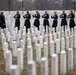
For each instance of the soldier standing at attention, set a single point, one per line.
(17, 20)
(46, 22)
(55, 22)
(2, 21)
(27, 21)
(37, 17)
(63, 16)
(72, 22)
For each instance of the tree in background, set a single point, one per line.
(37, 4)
(67, 4)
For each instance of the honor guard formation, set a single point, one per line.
(37, 17)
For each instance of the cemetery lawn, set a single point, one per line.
(25, 72)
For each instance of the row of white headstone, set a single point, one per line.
(17, 46)
(18, 40)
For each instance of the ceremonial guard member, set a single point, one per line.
(17, 20)
(55, 22)
(2, 21)
(72, 22)
(63, 21)
(37, 17)
(46, 22)
(27, 21)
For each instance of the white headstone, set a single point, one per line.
(36, 30)
(23, 38)
(70, 59)
(14, 44)
(54, 64)
(71, 31)
(35, 40)
(74, 41)
(31, 68)
(55, 37)
(29, 41)
(8, 36)
(46, 38)
(74, 57)
(24, 31)
(58, 46)
(19, 33)
(14, 70)
(63, 63)
(57, 29)
(18, 40)
(41, 41)
(71, 41)
(44, 66)
(14, 35)
(67, 43)
(66, 33)
(5, 48)
(62, 34)
(51, 48)
(1, 30)
(29, 53)
(50, 37)
(53, 29)
(47, 31)
(38, 53)
(8, 61)
(11, 30)
(45, 50)
(3, 40)
(11, 41)
(59, 36)
(6, 30)
(43, 33)
(22, 46)
(38, 35)
(2, 36)
(75, 30)
(28, 30)
(50, 30)
(16, 30)
(33, 35)
(20, 58)
(29, 35)
(62, 44)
